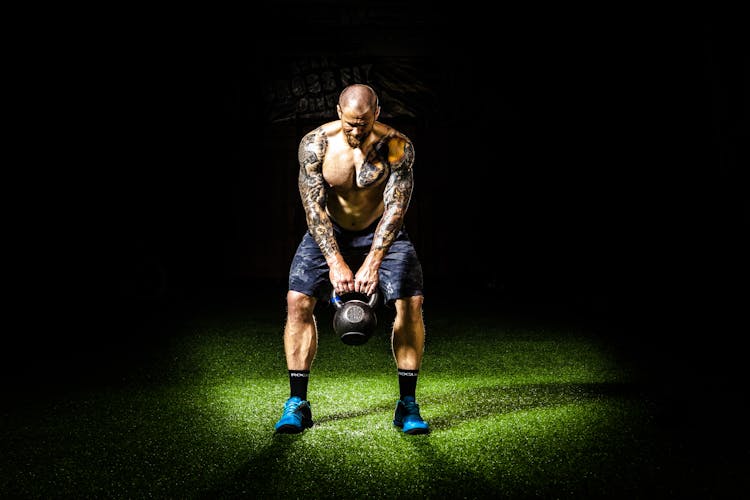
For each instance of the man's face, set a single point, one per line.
(356, 126)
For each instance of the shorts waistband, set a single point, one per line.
(361, 232)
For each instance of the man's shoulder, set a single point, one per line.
(395, 141)
(325, 130)
(397, 146)
(388, 133)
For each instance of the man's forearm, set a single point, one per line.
(396, 197)
(386, 231)
(321, 230)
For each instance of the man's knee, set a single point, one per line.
(409, 309)
(300, 307)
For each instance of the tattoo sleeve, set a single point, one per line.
(396, 198)
(312, 190)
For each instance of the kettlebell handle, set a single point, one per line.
(336, 300)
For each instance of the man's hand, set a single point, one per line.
(342, 278)
(366, 281)
(367, 278)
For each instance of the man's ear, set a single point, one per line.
(338, 110)
(377, 112)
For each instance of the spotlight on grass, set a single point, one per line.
(514, 412)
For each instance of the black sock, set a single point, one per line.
(407, 382)
(298, 383)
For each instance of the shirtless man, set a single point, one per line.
(355, 181)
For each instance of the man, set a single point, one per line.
(355, 181)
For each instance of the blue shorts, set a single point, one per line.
(400, 272)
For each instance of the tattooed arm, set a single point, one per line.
(312, 189)
(396, 199)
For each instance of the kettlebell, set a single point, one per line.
(354, 320)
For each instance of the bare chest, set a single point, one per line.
(351, 169)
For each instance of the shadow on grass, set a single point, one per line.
(485, 401)
(345, 415)
(480, 402)
(269, 471)
(273, 471)
(259, 476)
(448, 477)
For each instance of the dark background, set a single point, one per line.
(590, 164)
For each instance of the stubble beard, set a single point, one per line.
(353, 141)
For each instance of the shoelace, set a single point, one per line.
(291, 407)
(412, 408)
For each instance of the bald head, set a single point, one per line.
(358, 98)
(358, 110)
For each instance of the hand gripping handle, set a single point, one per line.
(336, 300)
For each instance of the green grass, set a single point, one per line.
(516, 409)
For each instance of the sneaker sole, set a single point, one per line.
(293, 429)
(411, 432)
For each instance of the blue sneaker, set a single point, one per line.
(408, 418)
(296, 418)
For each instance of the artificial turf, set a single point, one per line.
(518, 408)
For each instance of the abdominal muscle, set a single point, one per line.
(356, 212)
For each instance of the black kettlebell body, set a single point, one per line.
(354, 320)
